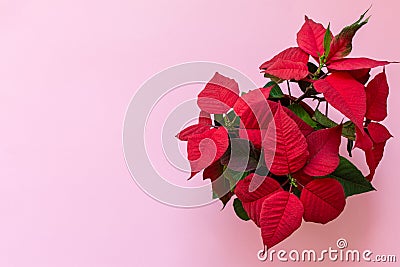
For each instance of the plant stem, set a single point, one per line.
(316, 74)
(322, 61)
(289, 92)
(319, 102)
(326, 108)
(304, 95)
(320, 99)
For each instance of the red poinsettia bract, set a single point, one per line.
(279, 155)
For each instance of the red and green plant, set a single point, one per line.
(277, 153)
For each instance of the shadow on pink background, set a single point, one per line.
(68, 70)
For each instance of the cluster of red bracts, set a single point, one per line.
(292, 168)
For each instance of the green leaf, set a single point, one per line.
(349, 130)
(241, 156)
(300, 111)
(360, 20)
(276, 91)
(351, 178)
(262, 170)
(273, 78)
(231, 115)
(239, 210)
(270, 83)
(219, 187)
(233, 119)
(234, 177)
(327, 41)
(222, 185)
(219, 119)
(324, 120)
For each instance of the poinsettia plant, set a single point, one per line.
(279, 154)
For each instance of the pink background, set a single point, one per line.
(68, 70)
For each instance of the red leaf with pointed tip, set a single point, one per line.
(339, 48)
(281, 215)
(361, 75)
(323, 146)
(220, 186)
(192, 174)
(268, 186)
(310, 38)
(214, 171)
(206, 148)
(323, 200)
(203, 126)
(356, 64)
(373, 158)
(256, 135)
(377, 92)
(345, 94)
(379, 135)
(192, 130)
(378, 132)
(294, 54)
(363, 141)
(219, 95)
(253, 108)
(254, 111)
(303, 126)
(252, 201)
(285, 147)
(288, 64)
(288, 69)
